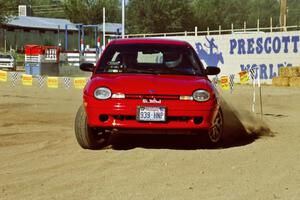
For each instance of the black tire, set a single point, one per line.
(88, 137)
(215, 134)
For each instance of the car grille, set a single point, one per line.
(147, 96)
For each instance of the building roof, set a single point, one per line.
(41, 23)
(111, 27)
(55, 23)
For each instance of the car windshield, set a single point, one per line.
(150, 59)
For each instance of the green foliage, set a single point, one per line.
(156, 16)
(45, 8)
(159, 16)
(175, 15)
(263, 10)
(213, 13)
(20, 57)
(6, 10)
(293, 12)
(91, 11)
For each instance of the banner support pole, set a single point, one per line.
(260, 96)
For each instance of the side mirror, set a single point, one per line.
(212, 70)
(88, 67)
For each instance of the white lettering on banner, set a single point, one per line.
(239, 52)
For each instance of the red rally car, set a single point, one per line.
(148, 84)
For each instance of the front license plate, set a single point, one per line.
(155, 114)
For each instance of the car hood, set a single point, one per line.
(149, 84)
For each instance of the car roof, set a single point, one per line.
(150, 41)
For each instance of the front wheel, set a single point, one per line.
(88, 137)
(215, 133)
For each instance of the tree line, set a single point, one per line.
(156, 16)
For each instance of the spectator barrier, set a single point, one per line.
(52, 82)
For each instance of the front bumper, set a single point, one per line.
(121, 114)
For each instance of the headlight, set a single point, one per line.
(201, 95)
(102, 93)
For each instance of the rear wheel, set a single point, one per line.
(215, 134)
(88, 137)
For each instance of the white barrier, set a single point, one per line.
(74, 58)
(243, 51)
(19, 78)
(7, 61)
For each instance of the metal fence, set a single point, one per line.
(17, 38)
(221, 31)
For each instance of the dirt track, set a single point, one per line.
(40, 158)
